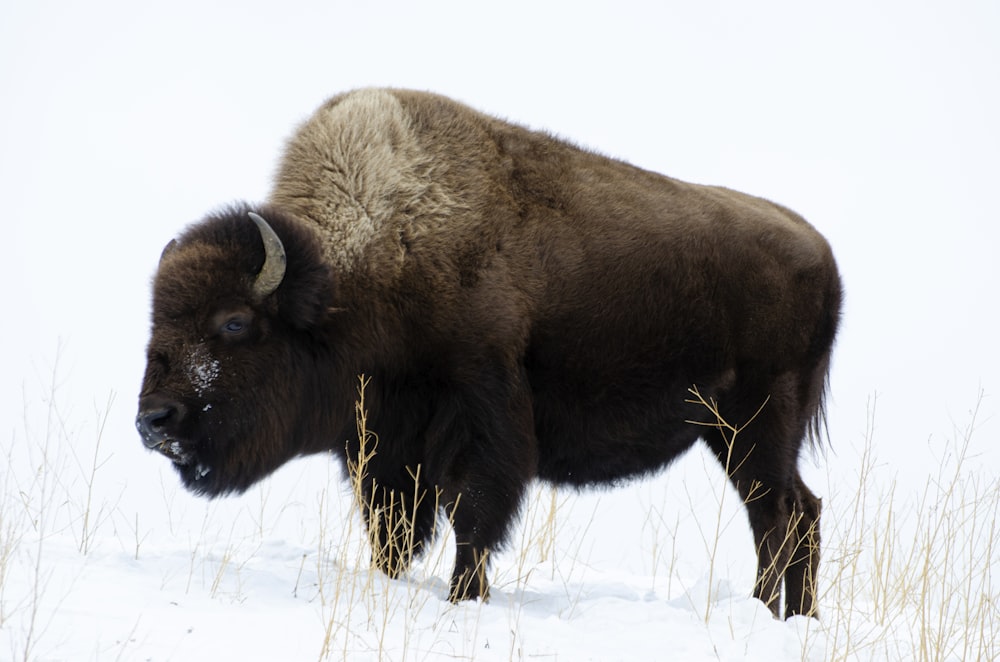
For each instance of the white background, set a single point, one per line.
(122, 122)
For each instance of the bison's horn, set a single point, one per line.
(273, 271)
(168, 249)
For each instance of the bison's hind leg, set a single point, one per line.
(785, 525)
(759, 448)
(800, 577)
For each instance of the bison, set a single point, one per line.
(522, 308)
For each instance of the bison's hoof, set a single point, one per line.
(465, 588)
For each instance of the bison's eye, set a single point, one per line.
(235, 326)
(231, 324)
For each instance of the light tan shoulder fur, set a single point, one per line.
(357, 170)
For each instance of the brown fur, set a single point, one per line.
(525, 308)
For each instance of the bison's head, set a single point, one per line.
(239, 307)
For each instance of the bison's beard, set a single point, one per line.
(195, 475)
(218, 451)
(211, 469)
(205, 477)
(194, 468)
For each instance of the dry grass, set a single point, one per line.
(905, 574)
(910, 576)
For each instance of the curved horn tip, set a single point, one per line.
(273, 271)
(168, 249)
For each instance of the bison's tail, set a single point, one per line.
(823, 340)
(818, 430)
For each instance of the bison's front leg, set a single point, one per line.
(485, 455)
(468, 580)
(480, 519)
(399, 522)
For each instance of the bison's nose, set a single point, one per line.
(154, 424)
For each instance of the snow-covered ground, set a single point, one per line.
(99, 565)
(122, 122)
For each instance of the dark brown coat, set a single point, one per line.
(524, 308)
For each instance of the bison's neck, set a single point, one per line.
(359, 340)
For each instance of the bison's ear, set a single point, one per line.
(306, 298)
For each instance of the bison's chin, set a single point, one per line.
(205, 475)
(197, 477)
(194, 470)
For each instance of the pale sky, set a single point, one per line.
(122, 122)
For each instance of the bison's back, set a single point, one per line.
(615, 288)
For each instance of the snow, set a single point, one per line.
(202, 369)
(225, 589)
(123, 122)
(104, 566)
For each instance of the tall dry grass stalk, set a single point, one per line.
(910, 574)
(90, 519)
(31, 512)
(366, 586)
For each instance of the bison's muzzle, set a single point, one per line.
(154, 424)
